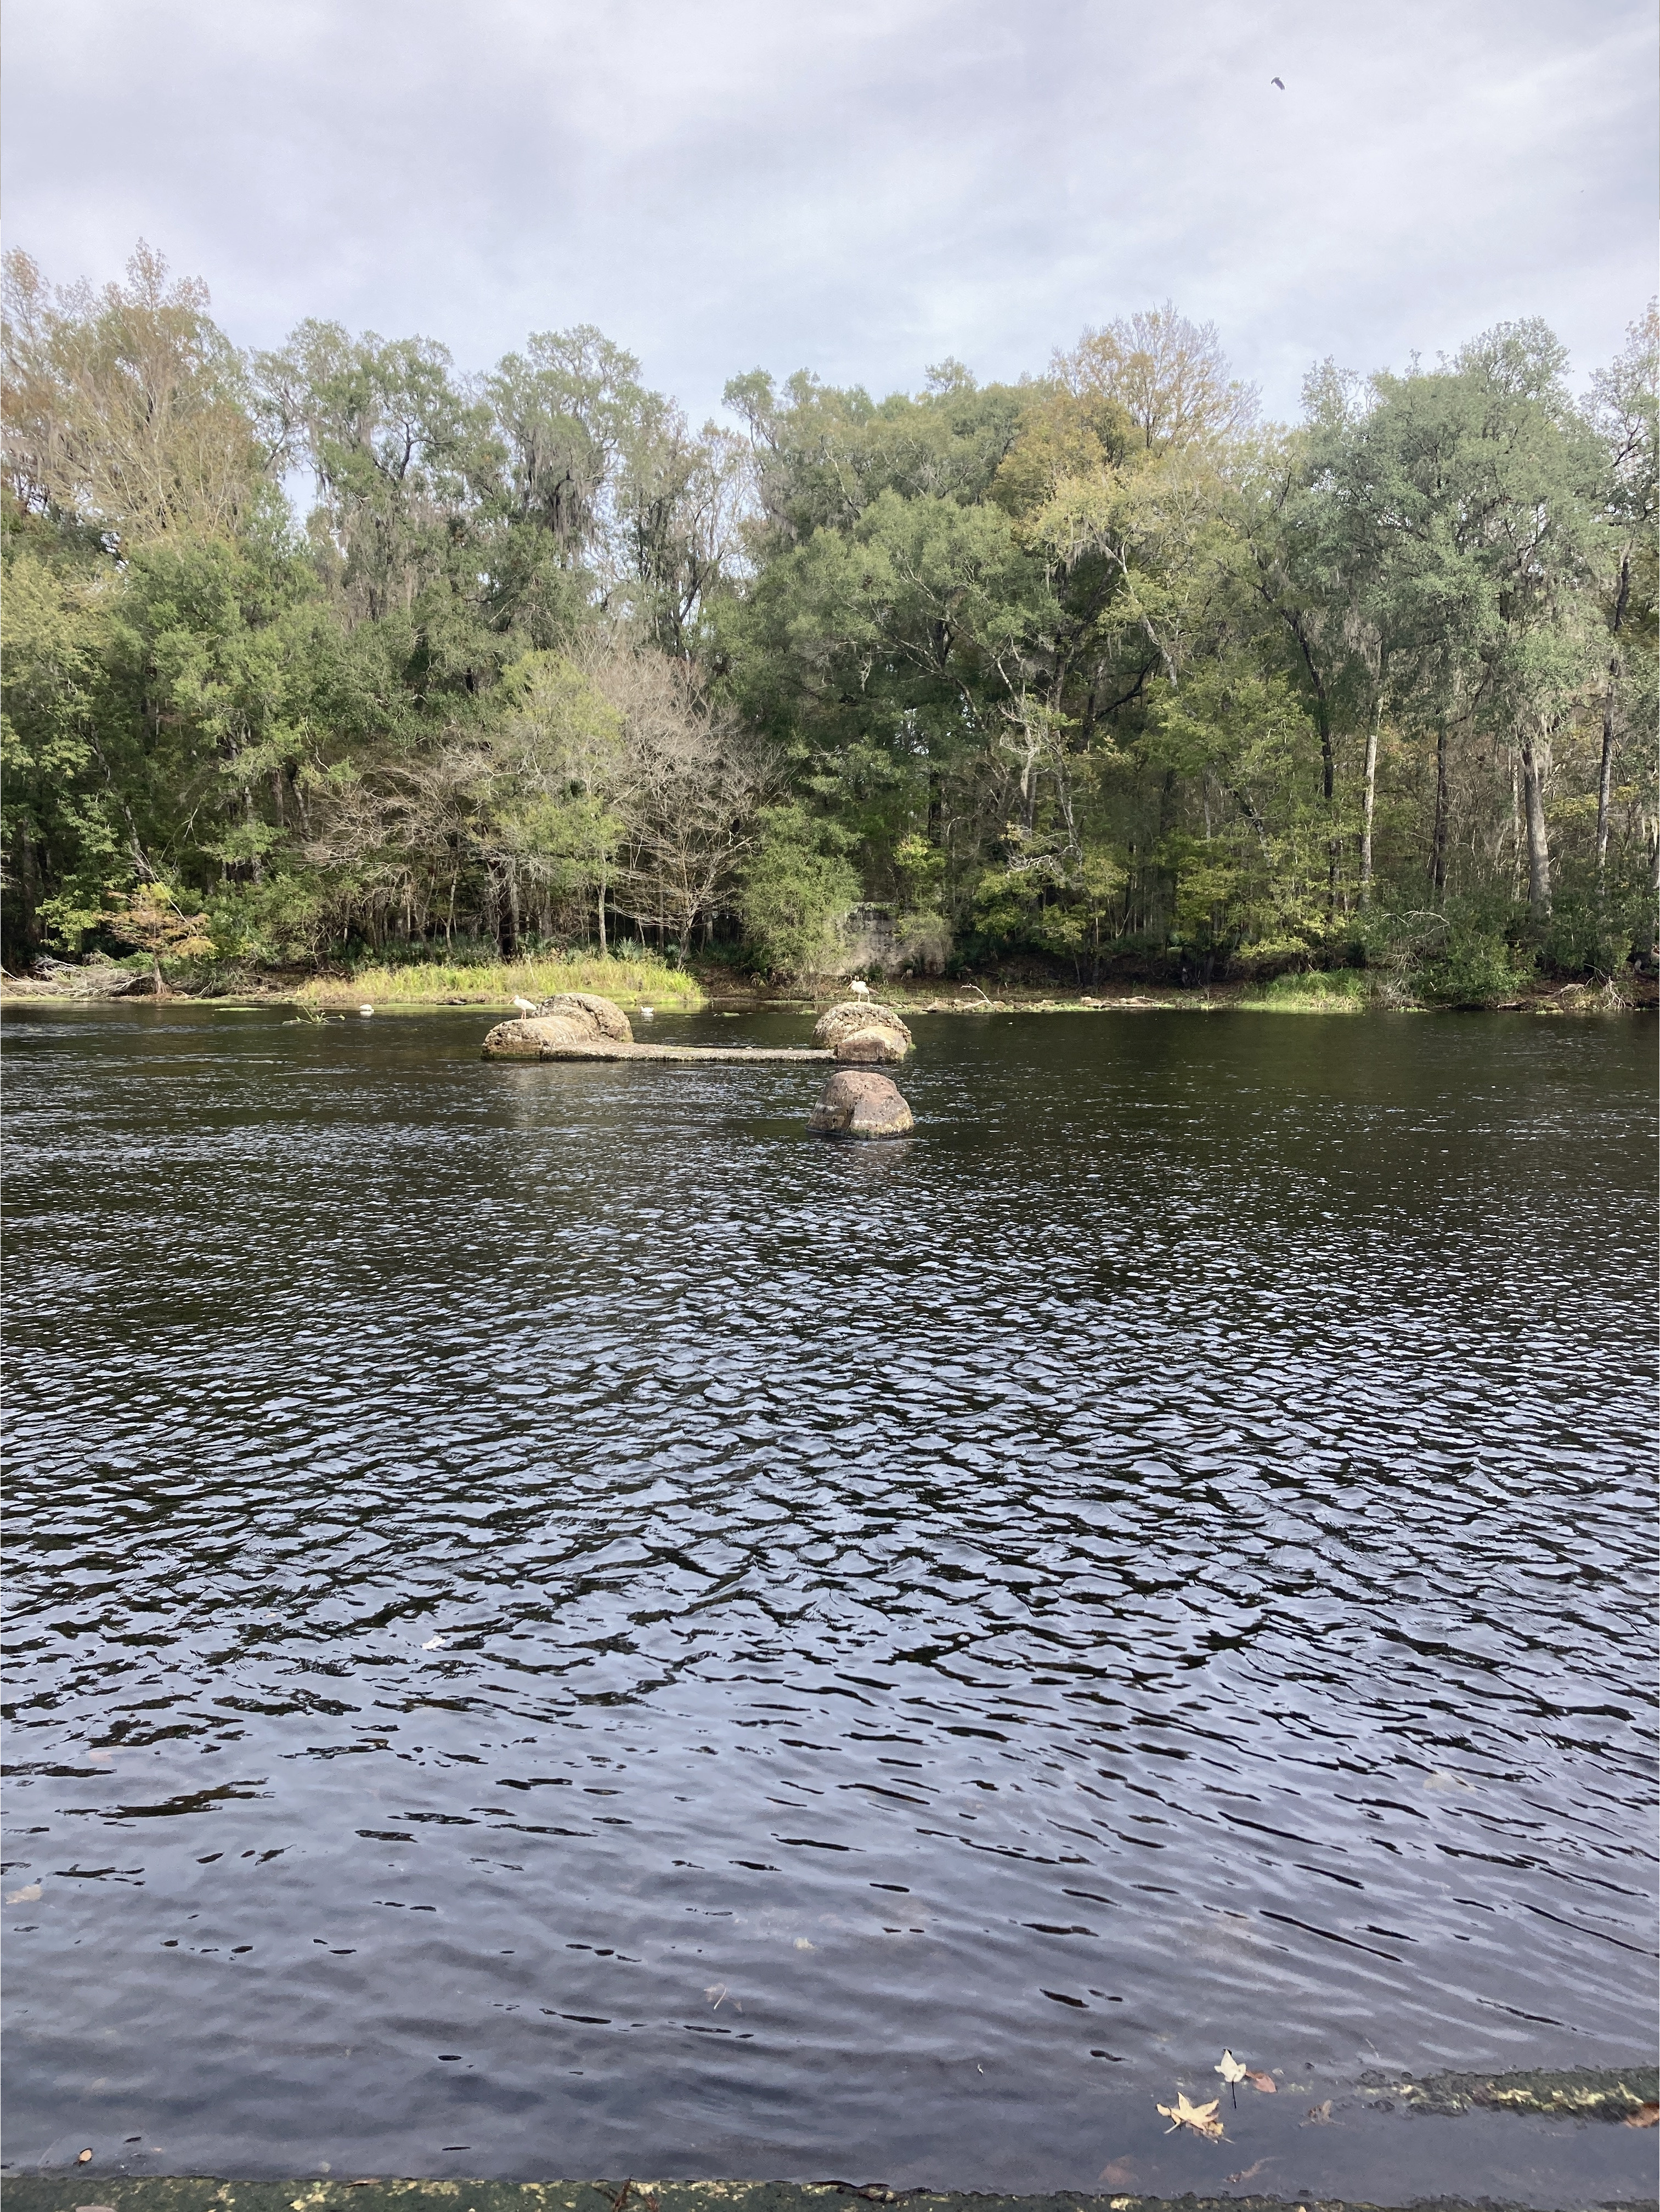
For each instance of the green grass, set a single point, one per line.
(1341, 991)
(629, 982)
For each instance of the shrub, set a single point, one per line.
(797, 891)
(1325, 991)
(1477, 968)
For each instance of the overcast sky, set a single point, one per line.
(862, 186)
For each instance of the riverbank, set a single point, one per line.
(628, 983)
(634, 984)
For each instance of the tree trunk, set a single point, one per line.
(1368, 800)
(602, 914)
(1439, 839)
(1329, 793)
(1538, 845)
(1518, 841)
(1605, 784)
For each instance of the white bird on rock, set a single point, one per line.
(858, 987)
(525, 1006)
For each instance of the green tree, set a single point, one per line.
(795, 893)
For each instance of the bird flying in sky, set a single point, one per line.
(1280, 81)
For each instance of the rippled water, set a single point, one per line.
(560, 1625)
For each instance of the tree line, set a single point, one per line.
(1097, 671)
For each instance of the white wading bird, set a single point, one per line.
(366, 1010)
(525, 1006)
(858, 987)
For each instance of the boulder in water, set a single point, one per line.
(860, 1104)
(571, 1017)
(862, 1034)
(598, 1016)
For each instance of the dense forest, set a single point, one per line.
(1096, 673)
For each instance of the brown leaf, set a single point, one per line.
(1120, 2174)
(1644, 2117)
(1318, 2115)
(81, 2157)
(1264, 2083)
(1250, 2172)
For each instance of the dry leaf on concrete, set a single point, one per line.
(1201, 2119)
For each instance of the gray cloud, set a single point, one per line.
(861, 186)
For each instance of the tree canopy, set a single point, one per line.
(1096, 668)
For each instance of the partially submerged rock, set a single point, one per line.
(597, 1016)
(523, 1039)
(571, 1018)
(859, 1103)
(863, 1035)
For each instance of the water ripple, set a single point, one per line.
(716, 1652)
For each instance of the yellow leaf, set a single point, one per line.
(1230, 2070)
(1201, 2119)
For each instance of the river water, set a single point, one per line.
(560, 1626)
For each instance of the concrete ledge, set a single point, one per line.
(683, 1054)
(83, 2190)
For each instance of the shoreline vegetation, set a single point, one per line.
(1056, 684)
(634, 984)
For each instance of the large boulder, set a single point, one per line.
(863, 1035)
(857, 1104)
(571, 1018)
(524, 1039)
(596, 1017)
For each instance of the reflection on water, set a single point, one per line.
(560, 1626)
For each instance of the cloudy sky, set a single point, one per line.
(864, 187)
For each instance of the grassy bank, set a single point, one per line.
(628, 982)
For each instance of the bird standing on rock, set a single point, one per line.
(858, 987)
(525, 1006)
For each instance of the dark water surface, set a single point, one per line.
(561, 1626)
